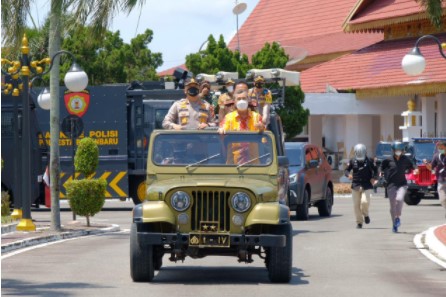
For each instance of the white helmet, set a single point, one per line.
(360, 152)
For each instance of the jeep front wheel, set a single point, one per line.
(141, 259)
(279, 259)
(412, 198)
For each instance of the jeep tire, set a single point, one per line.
(412, 198)
(325, 206)
(279, 259)
(302, 209)
(141, 259)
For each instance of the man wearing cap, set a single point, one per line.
(261, 98)
(191, 112)
(439, 165)
(226, 100)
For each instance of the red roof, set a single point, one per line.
(170, 71)
(309, 24)
(373, 11)
(376, 66)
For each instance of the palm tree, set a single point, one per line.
(434, 10)
(14, 17)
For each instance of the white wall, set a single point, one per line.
(441, 115)
(428, 116)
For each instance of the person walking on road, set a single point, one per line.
(439, 165)
(363, 178)
(394, 170)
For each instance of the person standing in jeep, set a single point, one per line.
(191, 112)
(439, 165)
(363, 177)
(394, 170)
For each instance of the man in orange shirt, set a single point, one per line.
(242, 119)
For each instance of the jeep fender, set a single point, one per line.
(269, 214)
(153, 212)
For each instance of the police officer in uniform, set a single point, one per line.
(191, 112)
(226, 100)
(363, 177)
(261, 99)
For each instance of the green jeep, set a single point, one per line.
(212, 194)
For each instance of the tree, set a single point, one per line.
(294, 116)
(217, 57)
(99, 13)
(434, 10)
(270, 56)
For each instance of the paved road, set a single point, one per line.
(331, 258)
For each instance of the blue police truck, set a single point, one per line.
(119, 117)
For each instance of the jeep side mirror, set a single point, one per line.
(283, 161)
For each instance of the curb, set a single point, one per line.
(429, 245)
(9, 228)
(50, 238)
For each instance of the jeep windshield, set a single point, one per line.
(212, 149)
(423, 150)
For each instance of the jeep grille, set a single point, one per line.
(424, 175)
(210, 206)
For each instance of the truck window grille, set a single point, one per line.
(210, 206)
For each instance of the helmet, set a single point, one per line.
(398, 146)
(360, 151)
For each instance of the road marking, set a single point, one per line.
(38, 246)
(424, 249)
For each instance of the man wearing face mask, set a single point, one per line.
(191, 112)
(439, 165)
(363, 177)
(261, 98)
(242, 119)
(225, 100)
(394, 170)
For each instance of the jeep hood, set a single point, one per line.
(258, 187)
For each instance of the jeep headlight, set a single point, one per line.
(180, 201)
(241, 202)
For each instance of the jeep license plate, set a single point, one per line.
(209, 240)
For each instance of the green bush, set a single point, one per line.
(5, 204)
(86, 196)
(86, 159)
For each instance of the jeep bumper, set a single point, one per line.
(182, 239)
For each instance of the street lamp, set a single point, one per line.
(20, 72)
(414, 63)
(238, 9)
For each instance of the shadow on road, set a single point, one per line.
(192, 275)
(17, 287)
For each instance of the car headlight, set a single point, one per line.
(293, 178)
(180, 201)
(241, 202)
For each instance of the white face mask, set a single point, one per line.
(360, 158)
(242, 105)
(398, 153)
(230, 89)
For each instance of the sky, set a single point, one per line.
(179, 26)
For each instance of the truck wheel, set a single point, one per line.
(302, 209)
(141, 259)
(412, 198)
(325, 206)
(158, 257)
(137, 189)
(280, 259)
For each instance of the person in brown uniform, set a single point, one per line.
(190, 112)
(261, 99)
(226, 100)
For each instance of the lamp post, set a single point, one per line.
(414, 63)
(20, 71)
(238, 9)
